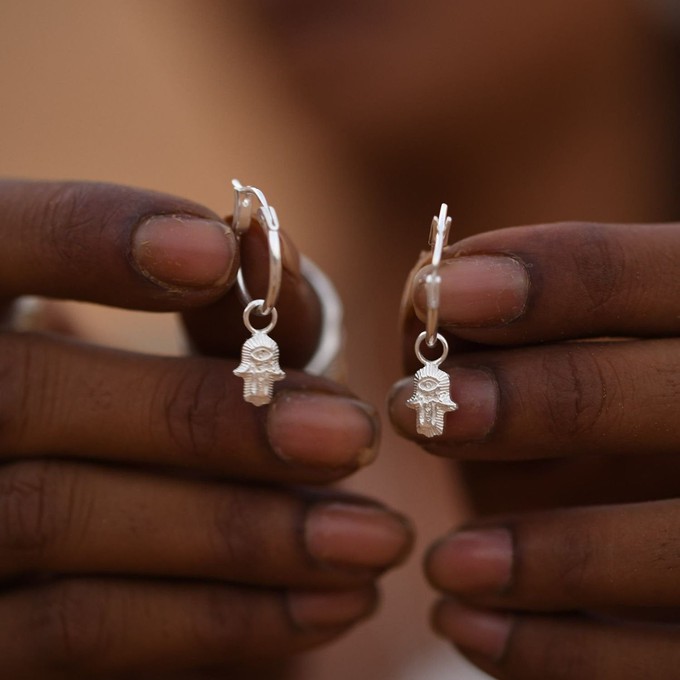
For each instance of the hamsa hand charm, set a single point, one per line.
(259, 365)
(431, 397)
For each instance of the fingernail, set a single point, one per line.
(322, 430)
(322, 610)
(478, 290)
(479, 631)
(472, 562)
(184, 251)
(476, 393)
(341, 534)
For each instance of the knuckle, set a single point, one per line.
(665, 553)
(576, 562)
(227, 624)
(70, 626)
(565, 659)
(194, 408)
(600, 264)
(20, 403)
(236, 533)
(74, 219)
(543, 652)
(77, 217)
(31, 517)
(573, 391)
(71, 211)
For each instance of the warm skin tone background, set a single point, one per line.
(538, 141)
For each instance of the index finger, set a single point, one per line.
(528, 285)
(140, 249)
(113, 245)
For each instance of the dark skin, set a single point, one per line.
(136, 563)
(594, 420)
(553, 648)
(153, 524)
(522, 113)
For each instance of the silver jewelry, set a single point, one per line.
(431, 397)
(259, 365)
(328, 357)
(26, 313)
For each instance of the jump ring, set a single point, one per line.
(444, 344)
(252, 306)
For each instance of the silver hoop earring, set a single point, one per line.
(431, 397)
(259, 367)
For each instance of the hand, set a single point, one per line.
(552, 385)
(151, 521)
(577, 593)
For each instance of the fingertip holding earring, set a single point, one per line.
(431, 397)
(259, 367)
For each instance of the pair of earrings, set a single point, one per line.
(259, 367)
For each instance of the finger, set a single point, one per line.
(91, 628)
(29, 313)
(143, 250)
(535, 648)
(551, 282)
(218, 329)
(583, 558)
(412, 326)
(80, 519)
(112, 244)
(61, 398)
(568, 399)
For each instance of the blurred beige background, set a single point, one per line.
(164, 94)
(178, 96)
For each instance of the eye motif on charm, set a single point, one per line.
(259, 368)
(431, 399)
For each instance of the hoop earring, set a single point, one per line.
(431, 397)
(259, 367)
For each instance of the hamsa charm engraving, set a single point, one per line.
(431, 399)
(259, 368)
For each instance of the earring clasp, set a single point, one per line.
(439, 236)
